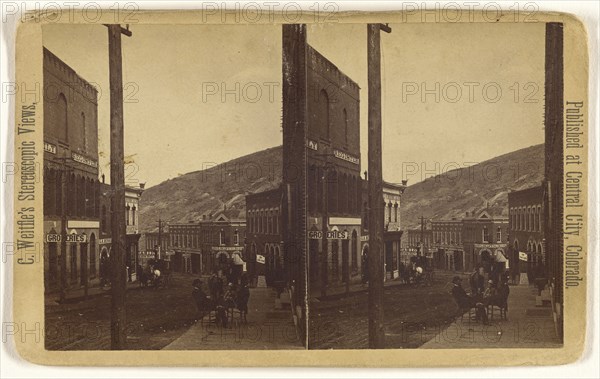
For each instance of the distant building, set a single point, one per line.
(526, 230)
(214, 243)
(415, 242)
(447, 244)
(264, 236)
(485, 241)
(71, 189)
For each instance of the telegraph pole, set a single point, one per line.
(159, 239)
(324, 241)
(420, 252)
(376, 327)
(117, 178)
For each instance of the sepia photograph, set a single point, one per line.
(305, 186)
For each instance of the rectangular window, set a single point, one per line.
(498, 235)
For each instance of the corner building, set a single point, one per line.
(333, 176)
(71, 188)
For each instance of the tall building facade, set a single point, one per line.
(71, 188)
(334, 186)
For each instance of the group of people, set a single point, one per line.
(225, 296)
(153, 274)
(495, 293)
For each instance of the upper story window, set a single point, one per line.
(236, 237)
(485, 234)
(221, 237)
(498, 235)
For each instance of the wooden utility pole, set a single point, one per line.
(421, 252)
(159, 239)
(294, 76)
(325, 229)
(376, 215)
(117, 179)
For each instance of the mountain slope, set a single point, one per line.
(191, 195)
(453, 193)
(188, 197)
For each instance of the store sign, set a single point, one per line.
(50, 148)
(522, 256)
(346, 157)
(331, 235)
(85, 160)
(312, 145)
(71, 238)
(260, 259)
(227, 248)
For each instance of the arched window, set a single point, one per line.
(133, 209)
(485, 236)
(127, 215)
(84, 132)
(323, 114)
(221, 237)
(62, 121)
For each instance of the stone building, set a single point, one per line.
(71, 188)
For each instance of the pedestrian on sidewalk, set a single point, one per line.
(243, 295)
(465, 301)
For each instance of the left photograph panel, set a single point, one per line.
(170, 221)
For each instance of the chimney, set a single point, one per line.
(142, 185)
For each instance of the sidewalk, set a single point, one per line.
(527, 326)
(267, 328)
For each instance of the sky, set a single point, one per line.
(198, 95)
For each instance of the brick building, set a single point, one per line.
(334, 188)
(214, 243)
(485, 240)
(447, 244)
(264, 237)
(71, 188)
(526, 230)
(416, 241)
